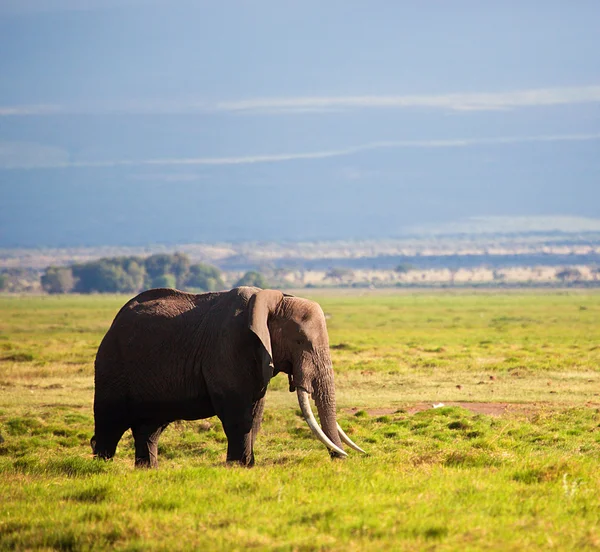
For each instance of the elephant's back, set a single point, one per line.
(165, 302)
(139, 349)
(160, 339)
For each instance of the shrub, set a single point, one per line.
(204, 277)
(107, 276)
(252, 278)
(58, 279)
(164, 281)
(403, 268)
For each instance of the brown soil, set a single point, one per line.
(487, 408)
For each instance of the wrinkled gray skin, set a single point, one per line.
(171, 355)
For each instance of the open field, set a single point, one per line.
(513, 463)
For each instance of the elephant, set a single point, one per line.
(171, 355)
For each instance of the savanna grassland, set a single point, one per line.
(511, 462)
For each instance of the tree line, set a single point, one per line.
(133, 274)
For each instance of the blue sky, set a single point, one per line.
(134, 122)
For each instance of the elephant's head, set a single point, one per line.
(293, 339)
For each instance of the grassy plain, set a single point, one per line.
(450, 478)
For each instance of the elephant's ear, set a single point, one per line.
(260, 307)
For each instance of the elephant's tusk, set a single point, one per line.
(312, 422)
(348, 441)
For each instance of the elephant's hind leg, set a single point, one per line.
(146, 437)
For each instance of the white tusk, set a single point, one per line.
(347, 440)
(312, 422)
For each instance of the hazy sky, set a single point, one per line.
(140, 121)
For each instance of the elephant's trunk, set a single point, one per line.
(314, 426)
(322, 387)
(324, 396)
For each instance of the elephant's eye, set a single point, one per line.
(300, 341)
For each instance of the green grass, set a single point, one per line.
(439, 479)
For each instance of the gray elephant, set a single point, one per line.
(171, 355)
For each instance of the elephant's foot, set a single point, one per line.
(246, 462)
(146, 463)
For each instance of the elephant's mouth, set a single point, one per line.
(307, 412)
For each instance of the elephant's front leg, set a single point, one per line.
(239, 442)
(238, 423)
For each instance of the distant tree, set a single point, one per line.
(19, 279)
(498, 275)
(108, 276)
(165, 281)
(283, 278)
(403, 268)
(122, 275)
(161, 264)
(180, 267)
(132, 274)
(568, 274)
(339, 273)
(58, 279)
(96, 276)
(252, 278)
(135, 274)
(157, 265)
(204, 277)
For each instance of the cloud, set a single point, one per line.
(462, 101)
(27, 155)
(354, 173)
(21, 157)
(476, 101)
(167, 177)
(23, 110)
(208, 161)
